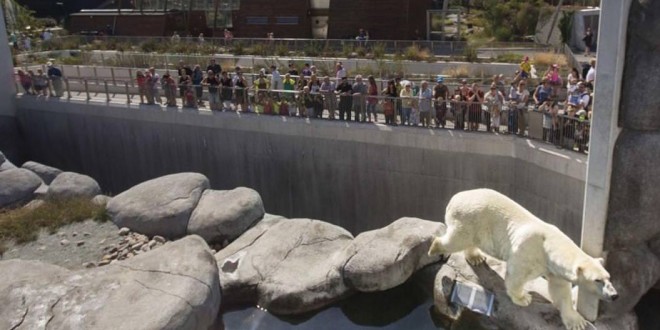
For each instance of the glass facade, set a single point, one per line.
(221, 18)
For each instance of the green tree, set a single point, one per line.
(18, 18)
(510, 19)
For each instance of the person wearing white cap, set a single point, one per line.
(55, 77)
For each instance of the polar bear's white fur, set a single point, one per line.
(484, 220)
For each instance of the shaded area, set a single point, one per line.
(647, 310)
(404, 307)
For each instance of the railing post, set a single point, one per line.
(107, 93)
(130, 77)
(68, 90)
(112, 73)
(87, 90)
(78, 71)
(128, 95)
(96, 76)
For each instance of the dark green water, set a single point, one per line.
(407, 307)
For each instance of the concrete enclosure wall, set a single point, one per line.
(355, 175)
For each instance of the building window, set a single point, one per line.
(286, 20)
(257, 20)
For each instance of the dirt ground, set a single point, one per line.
(72, 246)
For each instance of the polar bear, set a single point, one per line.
(483, 220)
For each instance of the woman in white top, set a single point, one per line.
(494, 101)
(518, 98)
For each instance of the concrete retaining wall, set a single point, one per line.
(358, 176)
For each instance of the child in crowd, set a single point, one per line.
(142, 85)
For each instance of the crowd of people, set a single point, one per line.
(563, 102)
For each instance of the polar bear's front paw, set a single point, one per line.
(574, 321)
(522, 300)
(475, 259)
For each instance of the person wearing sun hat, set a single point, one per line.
(440, 95)
(55, 76)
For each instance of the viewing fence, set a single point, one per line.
(563, 129)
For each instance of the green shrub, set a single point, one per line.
(378, 50)
(23, 225)
(470, 54)
(149, 46)
(238, 48)
(281, 49)
(415, 53)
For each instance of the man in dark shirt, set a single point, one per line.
(292, 70)
(345, 98)
(214, 67)
(440, 94)
(212, 82)
(227, 89)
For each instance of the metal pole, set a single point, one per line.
(68, 90)
(130, 77)
(128, 95)
(87, 90)
(107, 93)
(112, 73)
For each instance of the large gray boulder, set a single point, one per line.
(46, 173)
(14, 270)
(73, 185)
(632, 216)
(633, 271)
(286, 266)
(225, 214)
(381, 259)
(5, 164)
(160, 206)
(17, 186)
(173, 287)
(539, 315)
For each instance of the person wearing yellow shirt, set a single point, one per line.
(525, 68)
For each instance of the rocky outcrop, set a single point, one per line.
(381, 259)
(14, 270)
(286, 266)
(73, 185)
(174, 287)
(131, 245)
(5, 164)
(46, 173)
(17, 186)
(634, 190)
(160, 206)
(225, 214)
(101, 200)
(539, 315)
(633, 272)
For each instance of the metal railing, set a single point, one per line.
(566, 131)
(239, 45)
(117, 75)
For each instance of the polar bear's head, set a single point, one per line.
(592, 276)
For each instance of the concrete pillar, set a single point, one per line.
(8, 90)
(623, 178)
(9, 135)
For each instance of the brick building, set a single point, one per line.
(334, 19)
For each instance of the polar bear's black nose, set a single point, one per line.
(614, 297)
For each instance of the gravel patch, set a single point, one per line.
(73, 246)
